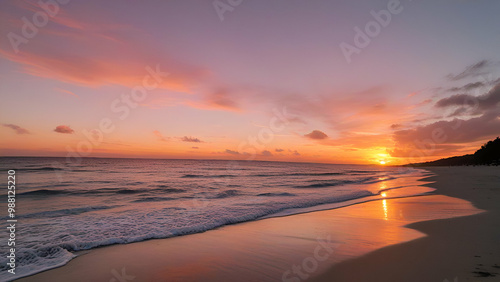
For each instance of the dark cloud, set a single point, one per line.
(191, 139)
(64, 129)
(396, 126)
(266, 153)
(467, 87)
(279, 150)
(316, 135)
(482, 102)
(443, 135)
(17, 128)
(231, 152)
(471, 71)
(458, 112)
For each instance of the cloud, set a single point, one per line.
(191, 139)
(160, 136)
(266, 153)
(64, 129)
(17, 129)
(483, 102)
(471, 71)
(316, 135)
(443, 136)
(458, 112)
(296, 153)
(222, 99)
(396, 126)
(467, 87)
(66, 91)
(231, 152)
(279, 150)
(194, 147)
(91, 51)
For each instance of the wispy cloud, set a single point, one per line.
(67, 92)
(488, 100)
(92, 52)
(467, 87)
(19, 130)
(471, 71)
(160, 136)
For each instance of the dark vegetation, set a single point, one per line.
(488, 154)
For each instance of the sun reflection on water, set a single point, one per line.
(384, 204)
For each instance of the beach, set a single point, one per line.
(451, 233)
(456, 249)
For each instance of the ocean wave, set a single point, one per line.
(35, 260)
(32, 169)
(165, 189)
(362, 171)
(207, 176)
(65, 212)
(226, 194)
(326, 184)
(261, 175)
(153, 199)
(44, 192)
(276, 194)
(102, 191)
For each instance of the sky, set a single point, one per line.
(360, 82)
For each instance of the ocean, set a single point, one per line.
(62, 209)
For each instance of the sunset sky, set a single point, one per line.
(264, 80)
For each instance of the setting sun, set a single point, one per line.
(382, 162)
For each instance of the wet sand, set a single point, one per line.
(456, 249)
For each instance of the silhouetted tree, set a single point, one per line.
(489, 153)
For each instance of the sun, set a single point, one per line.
(382, 162)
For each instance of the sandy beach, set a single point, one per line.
(456, 249)
(450, 234)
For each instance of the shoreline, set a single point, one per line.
(455, 249)
(83, 261)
